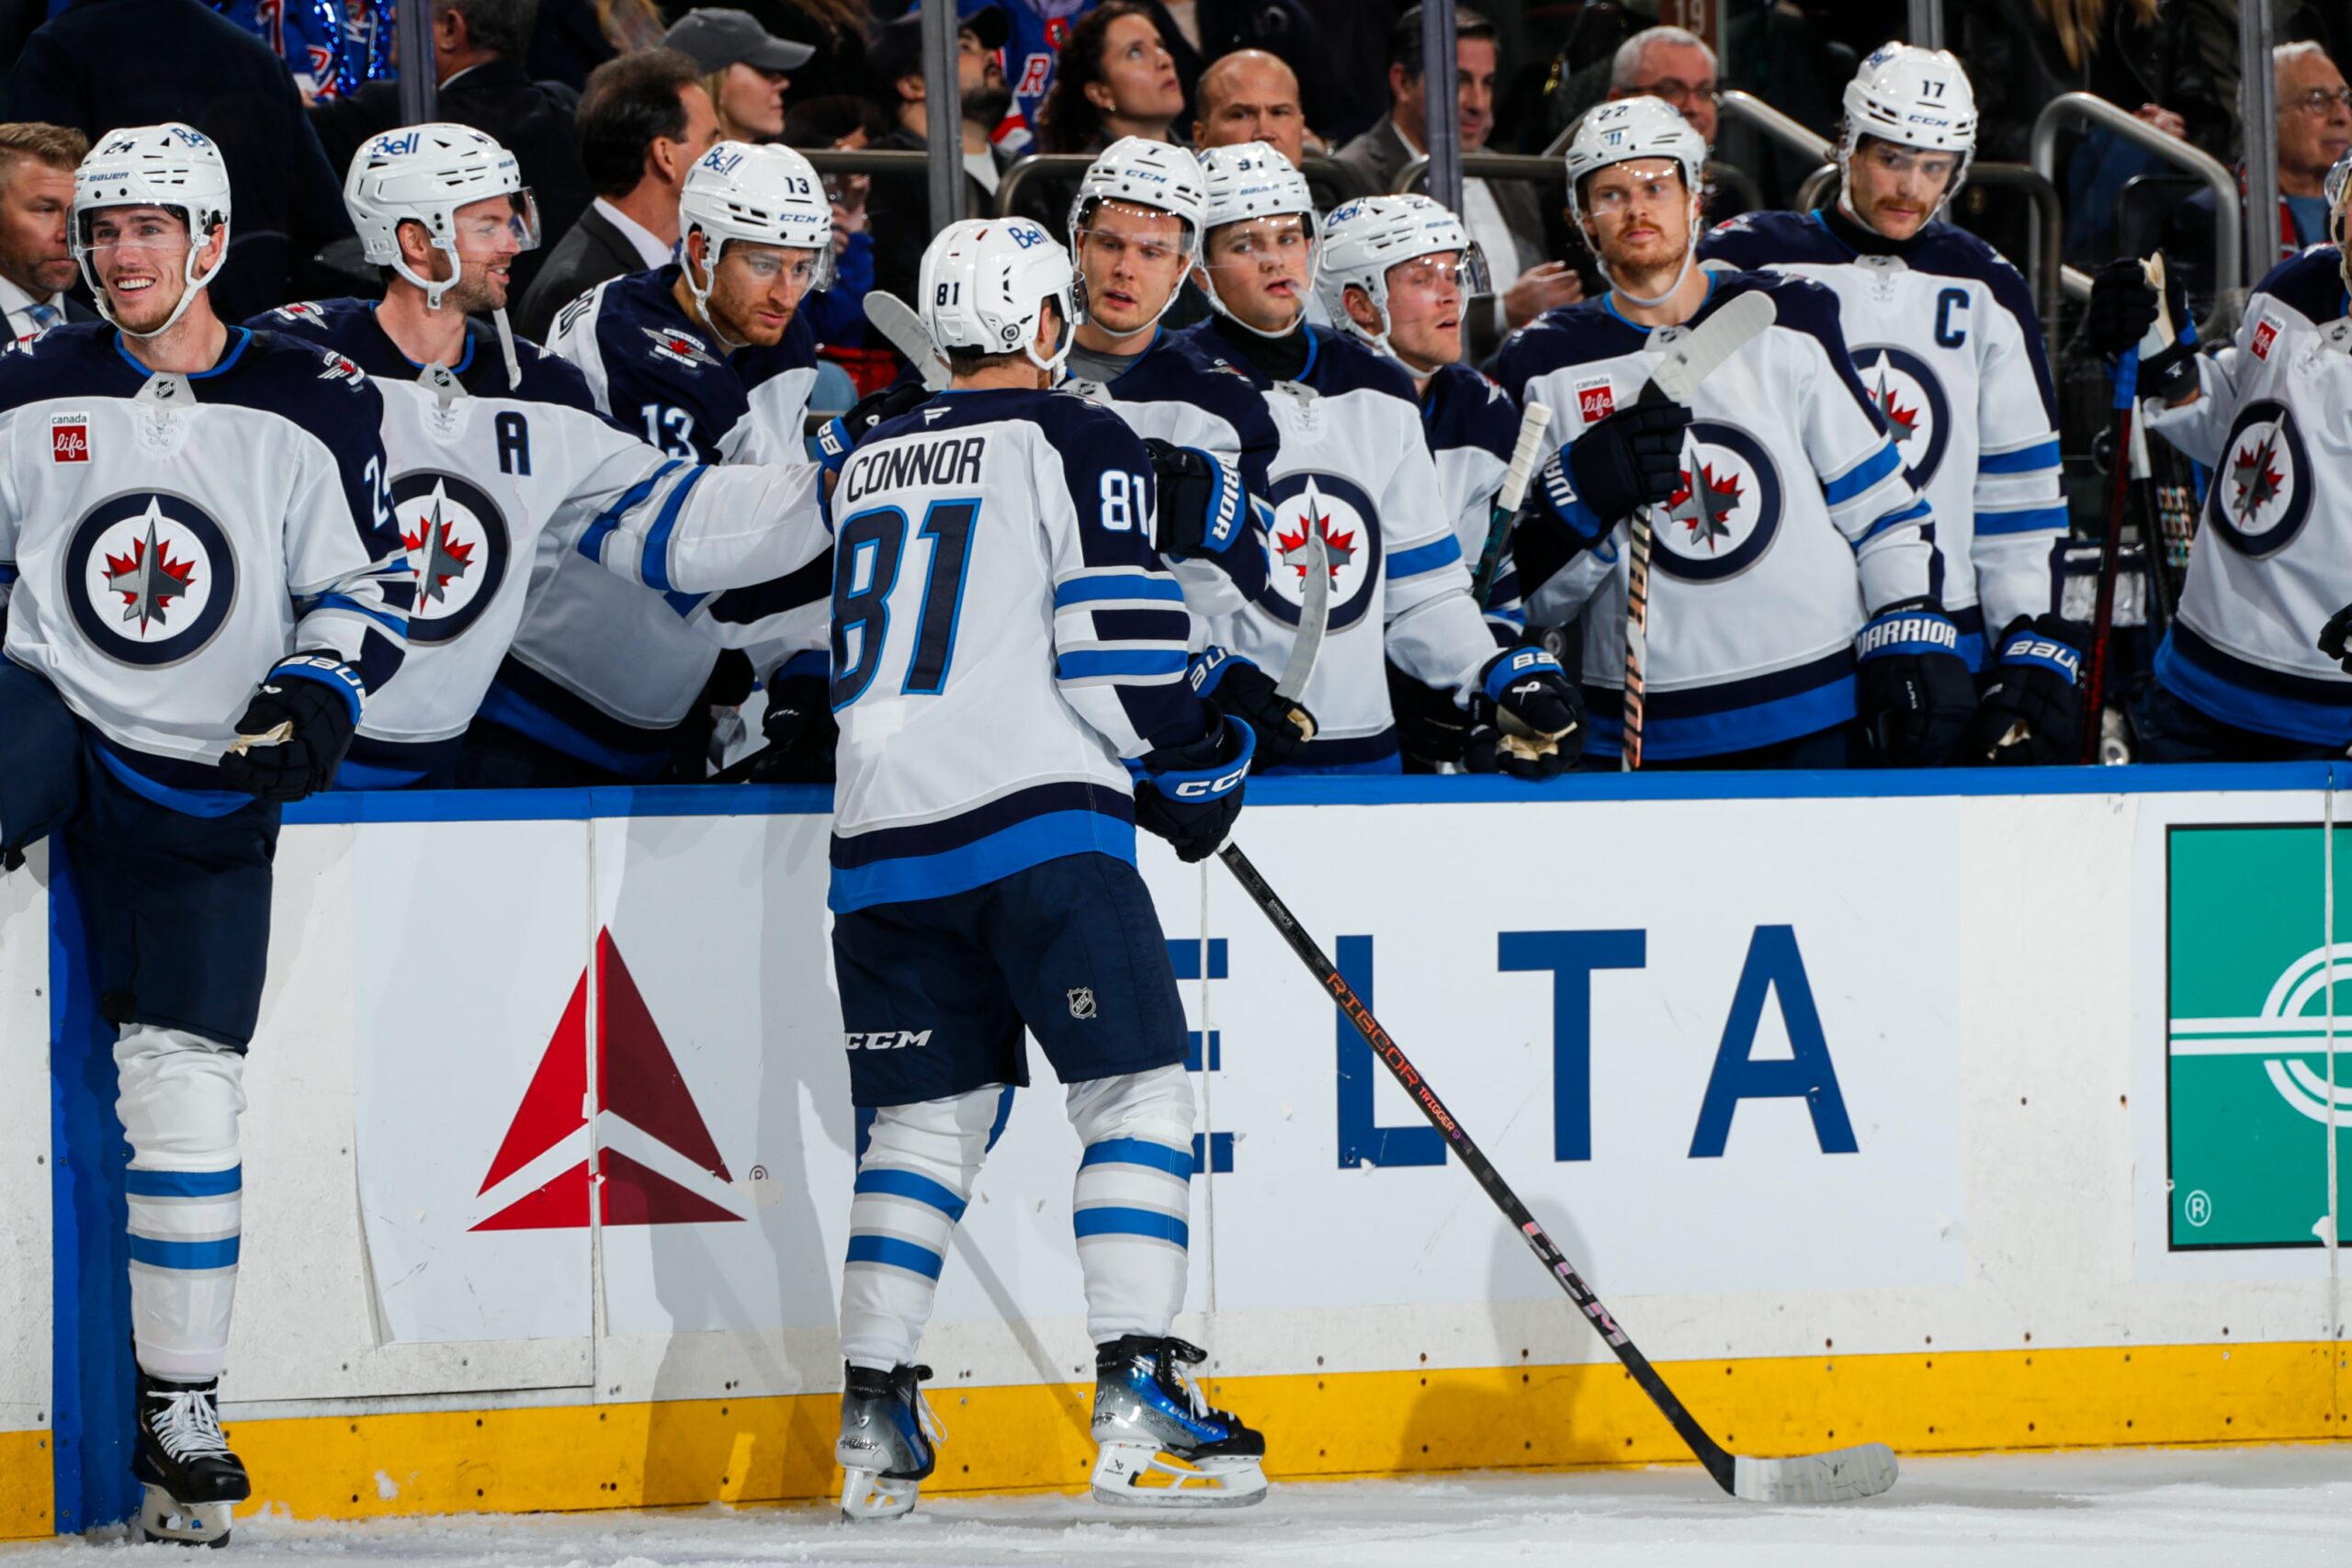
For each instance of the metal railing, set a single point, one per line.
(1322, 174)
(2229, 234)
(2053, 280)
(1748, 109)
(1480, 167)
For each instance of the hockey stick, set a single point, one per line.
(1840, 1476)
(1533, 424)
(1637, 636)
(895, 320)
(2119, 491)
(1314, 618)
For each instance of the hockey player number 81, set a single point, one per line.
(866, 556)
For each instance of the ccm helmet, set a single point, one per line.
(761, 195)
(1912, 97)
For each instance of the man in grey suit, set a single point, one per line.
(644, 120)
(1503, 216)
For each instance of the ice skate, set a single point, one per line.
(886, 1442)
(192, 1480)
(1162, 1446)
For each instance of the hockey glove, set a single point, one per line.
(2122, 310)
(1240, 690)
(1917, 695)
(838, 437)
(1631, 458)
(798, 727)
(1433, 731)
(1200, 499)
(2032, 714)
(1530, 720)
(1189, 795)
(2332, 637)
(295, 730)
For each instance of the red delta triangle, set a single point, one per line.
(637, 1080)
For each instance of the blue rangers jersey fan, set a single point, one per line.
(137, 571)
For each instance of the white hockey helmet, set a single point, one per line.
(1625, 130)
(762, 196)
(1250, 180)
(984, 282)
(1157, 175)
(1363, 239)
(2337, 188)
(1913, 97)
(422, 175)
(173, 166)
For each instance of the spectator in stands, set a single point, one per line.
(837, 34)
(2315, 121)
(1669, 63)
(37, 165)
(1250, 95)
(643, 121)
(1503, 216)
(1114, 78)
(745, 69)
(102, 64)
(478, 58)
(898, 208)
(1201, 31)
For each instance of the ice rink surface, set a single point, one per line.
(2213, 1508)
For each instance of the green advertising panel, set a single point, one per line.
(2247, 979)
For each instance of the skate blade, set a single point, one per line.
(164, 1519)
(867, 1496)
(1137, 1475)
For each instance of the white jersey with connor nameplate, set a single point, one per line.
(1793, 522)
(1944, 334)
(166, 540)
(2273, 558)
(1003, 635)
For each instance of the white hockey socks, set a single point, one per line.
(1133, 1198)
(911, 1188)
(179, 1096)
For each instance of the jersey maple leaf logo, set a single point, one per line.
(1338, 548)
(1704, 508)
(2255, 471)
(148, 579)
(443, 559)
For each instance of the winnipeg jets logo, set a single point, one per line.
(681, 348)
(457, 541)
(1726, 512)
(2262, 496)
(150, 577)
(1319, 506)
(1910, 398)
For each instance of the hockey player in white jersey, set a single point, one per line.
(1793, 581)
(1353, 467)
(1943, 332)
(202, 590)
(2241, 676)
(493, 443)
(706, 357)
(1009, 666)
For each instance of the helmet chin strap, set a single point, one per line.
(702, 290)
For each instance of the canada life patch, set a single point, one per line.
(69, 438)
(2264, 336)
(1596, 400)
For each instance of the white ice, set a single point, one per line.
(2262, 1507)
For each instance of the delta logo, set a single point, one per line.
(654, 1161)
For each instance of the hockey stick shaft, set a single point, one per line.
(1524, 451)
(2127, 377)
(1637, 635)
(1720, 1463)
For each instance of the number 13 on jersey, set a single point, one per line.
(869, 559)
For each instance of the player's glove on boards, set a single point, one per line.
(838, 436)
(1201, 507)
(1917, 695)
(1189, 795)
(1431, 728)
(1240, 690)
(2122, 310)
(797, 725)
(2332, 636)
(295, 731)
(1530, 719)
(1631, 458)
(2032, 713)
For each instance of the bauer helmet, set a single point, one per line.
(1364, 239)
(422, 175)
(1625, 130)
(1912, 97)
(1157, 174)
(1255, 180)
(985, 283)
(762, 196)
(173, 166)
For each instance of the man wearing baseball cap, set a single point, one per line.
(745, 67)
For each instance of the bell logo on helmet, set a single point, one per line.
(395, 144)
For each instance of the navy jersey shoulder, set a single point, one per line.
(1764, 238)
(2312, 283)
(80, 359)
(1801, 305)
(1182, 368)
(350, 327)
(1563, 336)
(1463, 407)
(1342, 365)
(796, 350)
(653, 355)
(317, 388)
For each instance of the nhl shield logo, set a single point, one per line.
(1910, 398)
(1081, 1002)
(1726, 512)
(457, 541)
(149, 577)
(1339, 510)
(2261, 497)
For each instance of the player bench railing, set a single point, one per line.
(2053, 281)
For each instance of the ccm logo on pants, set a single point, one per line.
(886, 1039)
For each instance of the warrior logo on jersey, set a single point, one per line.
(1726, 512)
(458, 540)
(1344, 514)
(2261, 497)
(1911, 399)
(150, 577)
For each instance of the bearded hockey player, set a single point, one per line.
(705, 358)
(2239, 677)
(1943, 333)
(202, 590)
(494, 443)
(1794, 583)
(1009, 668)
(1352, 467)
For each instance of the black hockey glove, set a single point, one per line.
(1633, 457)
(1200, 499)
(2332, 636)
(798, 727)
(2032, 714)
(1433, 730)
(1917, 695)
(1240, 690)
(2122, 310)
(838, 436)
(1530, 722)
(295, 730)
(1189, 795)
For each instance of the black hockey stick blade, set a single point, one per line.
(1843, 1475)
